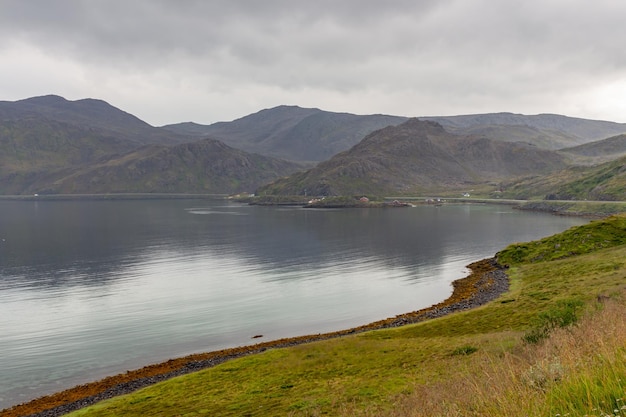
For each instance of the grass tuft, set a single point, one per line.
(563, 314)
(464, 350)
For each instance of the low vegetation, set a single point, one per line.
(584, 239)
(578, 370)
(553, 345)
(605, 181)
(577, 208)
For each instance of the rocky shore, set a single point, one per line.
(486, 282)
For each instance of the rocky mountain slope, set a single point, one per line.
(96, 115)
(306, 134)
(415, 157)
(550, 131)
(52, 145)
(292, 132)
(207, 166)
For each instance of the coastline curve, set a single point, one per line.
(486, 281)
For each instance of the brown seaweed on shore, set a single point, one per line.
(486, 282)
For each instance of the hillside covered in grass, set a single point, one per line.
(606, 181)
(552, 345)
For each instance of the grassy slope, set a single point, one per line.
(384, 372)
(605, 181)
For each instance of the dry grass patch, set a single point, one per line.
(578, 370)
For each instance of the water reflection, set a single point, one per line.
(54, 245)
(90, 288)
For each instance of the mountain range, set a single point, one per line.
(295, 133)
(415, 157)
(292, 132)
(49, 145)
(97, 116)
(52, 145)
(550, 131)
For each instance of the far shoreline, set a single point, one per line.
(109, 196)
(486, 282)
(576, 208)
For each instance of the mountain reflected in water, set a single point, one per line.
(92, 288)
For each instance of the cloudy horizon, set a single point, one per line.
(208, 61)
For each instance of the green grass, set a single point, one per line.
(575, 241)
(599, 389)
(605, 181)
(466, 363)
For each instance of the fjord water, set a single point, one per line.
(93, 288)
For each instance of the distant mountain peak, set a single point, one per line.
(293, 107)
(409, 130)
(49, 99)
(52, 100)
(89, 114)
(417, 123)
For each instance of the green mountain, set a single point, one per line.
(207, 166)
(52, 145)
(599, 151)
(94, 115)
(416, 157)
(605, 181)
(32, 148)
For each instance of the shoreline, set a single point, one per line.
(486, 281)
(109, 196)
(556, 207)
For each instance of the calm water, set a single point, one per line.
(89, 289)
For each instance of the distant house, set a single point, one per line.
(364, 199)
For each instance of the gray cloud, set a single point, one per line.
(169, 61)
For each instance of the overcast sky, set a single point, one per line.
(218, 60)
